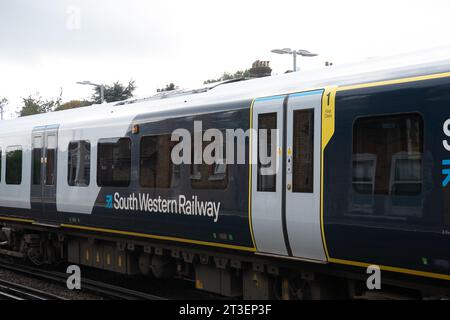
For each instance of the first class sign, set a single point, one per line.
(143, 202)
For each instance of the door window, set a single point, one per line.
(36, 160)
(303, 151)
(50, 160)
(266, 180)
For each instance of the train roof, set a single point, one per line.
(371, 70)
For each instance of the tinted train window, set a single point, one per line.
(266, 123)
(387, 155)
(156, 169)
(303, 151)
(14, 165)
(50, 160)
(79, 163)
(208, 176)
(36, 160)
(114, 162)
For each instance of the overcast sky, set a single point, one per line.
(46, 45)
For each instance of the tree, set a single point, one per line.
(73, 104)
(115, 92)
(230, 76)
(35, 105)
(169, 87)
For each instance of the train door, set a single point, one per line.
(266, 202)
(303, 156)
(285, 205)
(44, 170)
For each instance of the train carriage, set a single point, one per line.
(362, 180)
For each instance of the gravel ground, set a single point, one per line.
(175, 289)
(169, 288)
(53, 288)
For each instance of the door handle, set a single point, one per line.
(289, 160)
(289, 187)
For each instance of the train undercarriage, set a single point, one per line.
(230, 274)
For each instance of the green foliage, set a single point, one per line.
(230, 76)
(35, 105)
(3, 102)
(169, 87)
(73, 104)
(115, 92)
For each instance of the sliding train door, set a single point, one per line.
(303, 136)
(285, 202)
(266, 201)
(43, 171)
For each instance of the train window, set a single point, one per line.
(266, 123)
(50, 160)
(114, 162)
(208, 176)
(303, 151)
(156, 169)
(79, 163)
(14, 165)
(1, 164)
(387, 155)
(36, 160)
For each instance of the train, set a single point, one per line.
(362, 179)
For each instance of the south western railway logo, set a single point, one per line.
(143, 202)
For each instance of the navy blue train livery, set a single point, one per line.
(362, 158)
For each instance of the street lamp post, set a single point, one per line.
(3, 103)
(102, 88)
(303, 53)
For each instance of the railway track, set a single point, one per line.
(13, 291)
(102, 289)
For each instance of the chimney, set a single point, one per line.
(260, 69)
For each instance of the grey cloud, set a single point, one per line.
(30, 29)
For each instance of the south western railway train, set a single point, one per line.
(363, 156)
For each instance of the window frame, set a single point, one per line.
(87, 141)
(16, 148)
(383, 115)
(39, 162)
(297, 186)
(104, 140)
(259, 182)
